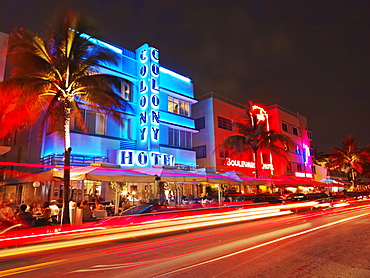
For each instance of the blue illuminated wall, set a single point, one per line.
(148, 117)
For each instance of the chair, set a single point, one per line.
(100, 214)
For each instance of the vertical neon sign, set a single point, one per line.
(149, 98)
(262, 115)
(154, 98)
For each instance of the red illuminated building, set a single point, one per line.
(214, 116)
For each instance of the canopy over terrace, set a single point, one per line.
(282, 181)
(95, 173)
(171, 175)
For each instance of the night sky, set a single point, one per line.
(311, 57)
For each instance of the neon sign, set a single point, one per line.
(303, 175)
(247, 164)
(143, 158)
(149, 97)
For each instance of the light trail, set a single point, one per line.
(262, 245)
(145, 229)
(27, 268)
(115, 231)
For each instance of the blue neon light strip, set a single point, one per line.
(99, 42)
(174, 74)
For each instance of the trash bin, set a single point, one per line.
(79, 216)
(72, 213)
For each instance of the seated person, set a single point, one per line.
(98, 205)
(45, 218)
(25, 218)
(86, 212)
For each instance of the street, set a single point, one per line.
(324, 243)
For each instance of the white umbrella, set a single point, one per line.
(171, 175)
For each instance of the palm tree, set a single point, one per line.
(350, 158)
(55, 73)
(319, 156)
(256, 137)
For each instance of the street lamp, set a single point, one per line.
(36, 184)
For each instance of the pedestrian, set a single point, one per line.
(54, 210)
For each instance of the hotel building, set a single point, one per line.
(214, 117)
(158, 129)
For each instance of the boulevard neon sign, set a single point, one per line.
(247, 164)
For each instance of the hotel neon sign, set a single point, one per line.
(142, 158)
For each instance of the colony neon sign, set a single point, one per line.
(247, 164)
(149, 97)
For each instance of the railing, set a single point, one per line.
(58, 159)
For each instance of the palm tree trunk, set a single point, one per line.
(256, 162)
(352, 178)
(67, 164)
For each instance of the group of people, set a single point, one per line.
(30, 215)
(87, 211)
(36, 214)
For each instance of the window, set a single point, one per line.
(179, 138)
(200, 123)
(126, 93)
(295, 131)
(297, 149)
(265, 158)
(178, 106)
(176, 137)
(184, 108)
(188, 140)
(224, 123)
(299, 167)
(309, 135)
(94, 122)
(201, 151)
(224, 153)
(74, 124)
(286, 147)
(284, 126)
(170, 136)
(182, 138)
(126, 130)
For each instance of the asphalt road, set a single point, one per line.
(330, 243)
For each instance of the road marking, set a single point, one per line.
(260, 245)
(27, 268)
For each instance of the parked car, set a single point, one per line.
(317, 196)
(294, 197)
(270, 198)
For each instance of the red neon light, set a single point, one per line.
(34, 165)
